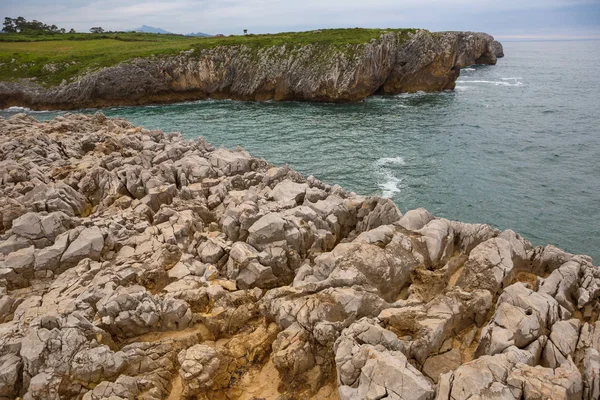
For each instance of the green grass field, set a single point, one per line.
(52, 58)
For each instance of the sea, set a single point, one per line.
(515, 145)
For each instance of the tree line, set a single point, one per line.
(20, 24)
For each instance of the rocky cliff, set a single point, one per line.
(396, 62)
(136, 264)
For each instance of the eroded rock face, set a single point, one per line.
(136, 264)
(416, 60)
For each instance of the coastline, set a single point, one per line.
(402, 62)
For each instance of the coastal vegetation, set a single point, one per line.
(49, 58)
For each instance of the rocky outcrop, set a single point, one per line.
(137, 264)
(407, 61)
(497, 49)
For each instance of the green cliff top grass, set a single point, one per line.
(49, 59)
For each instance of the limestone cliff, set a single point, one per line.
(136, 264)
(394, 63)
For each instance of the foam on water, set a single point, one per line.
(495, 83)
(390, 161)
(389, 184)
(17, 109)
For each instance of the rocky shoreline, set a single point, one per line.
(394, 63)
(137, 264)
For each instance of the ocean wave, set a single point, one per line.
(17, 109)
(389, 183)
(389, 161)
(511, 79)
(390, 186)
(495, 83)
(415, 94)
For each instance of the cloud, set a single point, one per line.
(260, 16)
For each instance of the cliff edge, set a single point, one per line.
(395, 62)
(137, 264)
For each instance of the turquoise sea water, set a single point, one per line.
(516, 145)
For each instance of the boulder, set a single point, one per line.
(89, 244)
(199, 367)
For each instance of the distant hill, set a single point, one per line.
(151, 29)
(198, 34)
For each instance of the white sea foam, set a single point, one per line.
(495, 83)
(382, 162)
(511, 79)
(18, 109)
(469, 69)
(390, 186)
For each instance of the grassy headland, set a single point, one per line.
(51, 58)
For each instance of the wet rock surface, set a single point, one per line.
(324, 72)
(137, 264)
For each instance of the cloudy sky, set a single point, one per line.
(506, 19)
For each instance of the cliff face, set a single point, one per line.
(392, 64)
(137, 264)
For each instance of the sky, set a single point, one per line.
(506, 19)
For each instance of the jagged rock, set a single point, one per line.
(371, 365)
(124, 248)
(13, 244)
(230, 162)
(199, 365)
(497, 49)
(293, 353)
(561, 343)
(414, 220)
(268, 229)
(521, 317)
(287, 191)
(21, 261)
(89, 244)
(210, 252)
(486, 377)
(489, 266)
(10, 375)
(441, 364)
(561, 383)
(438, 237)
(49, 257)
(469, 236)
(133, 311)
(28, 226)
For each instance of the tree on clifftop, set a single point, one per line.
(9, 25)
(97, 29)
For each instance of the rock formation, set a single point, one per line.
(137, 264)
(394, 63)
(498, 49)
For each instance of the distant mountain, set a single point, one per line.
(151, 29)
(198, 34)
